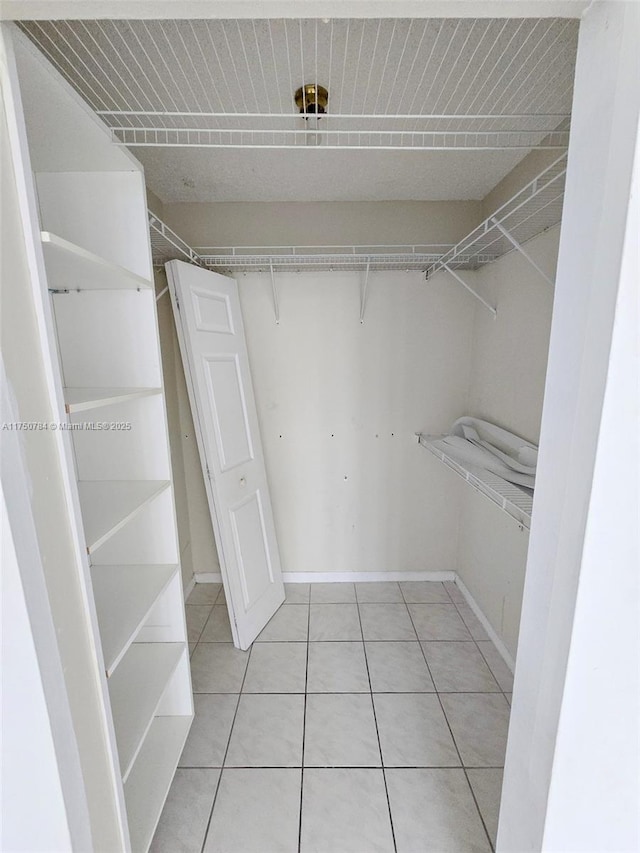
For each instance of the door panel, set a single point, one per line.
(214, 354)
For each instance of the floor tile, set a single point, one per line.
(455, 593)
(204, 593)
(378, 592)
(338, 667)
(221, 599)
(334, 622)
(508, 697)
(288, 624)
(386, 622)
(479, 722)
(433, 811)
(487, 787)
(276, 668)
(413, 731)
(297, 593)
(209, 734)
(218, 668)
(459, 668)
(217, 629)
(424, 592)
(345, 811)
(398, 668)
(340, 731)
(332, 593)
(192, 647)
(184, 819)
(498, 667)
(197, 616)
(267, 731)
(475, 626)
(256, 811)
(438, 622)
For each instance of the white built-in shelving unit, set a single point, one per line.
(92, 242)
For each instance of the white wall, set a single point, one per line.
(508, 366)
(339, 403)
(571, 774)
(322, 223)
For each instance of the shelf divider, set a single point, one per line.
(150, 779)
(124, 596)
(135, 690)
(107, 505)
(85, 399)
(70, 267)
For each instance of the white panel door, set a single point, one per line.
(214, 354)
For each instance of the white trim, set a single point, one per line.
(342, 577)
(364, 577)
(190, 586)
(207, 577)
(495, 639)
(16, 487)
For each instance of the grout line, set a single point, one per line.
(224, 757)
(304, 728)
(466, 775)
(375, 720)
(477, 644)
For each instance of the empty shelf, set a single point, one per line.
(124, 596)
(107, 505)
(150, 779)
(513, 500)
(70, 267)
(135, 690)
(83, 399)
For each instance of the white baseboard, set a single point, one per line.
(495, 639)
(364, 577)
(208, 577)
(189, 587)
(341, 577)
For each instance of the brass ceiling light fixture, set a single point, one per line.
(312, 99)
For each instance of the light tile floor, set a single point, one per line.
(366, 718)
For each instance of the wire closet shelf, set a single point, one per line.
(531, 211)
(534, 209)
(393, 83)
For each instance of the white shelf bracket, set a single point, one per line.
(470, 289)
(518, 246)
(363, 291)
(276, 305)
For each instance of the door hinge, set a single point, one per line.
(177, 302)
(208, 472)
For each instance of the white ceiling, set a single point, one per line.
(204, 174)
(401, 71)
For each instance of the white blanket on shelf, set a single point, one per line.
(484, 445)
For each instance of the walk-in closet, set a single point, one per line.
(310, 317)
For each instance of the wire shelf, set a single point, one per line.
(516, 502)
(167, 246)
(534, 209)
(322, 137)
(437, 83)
